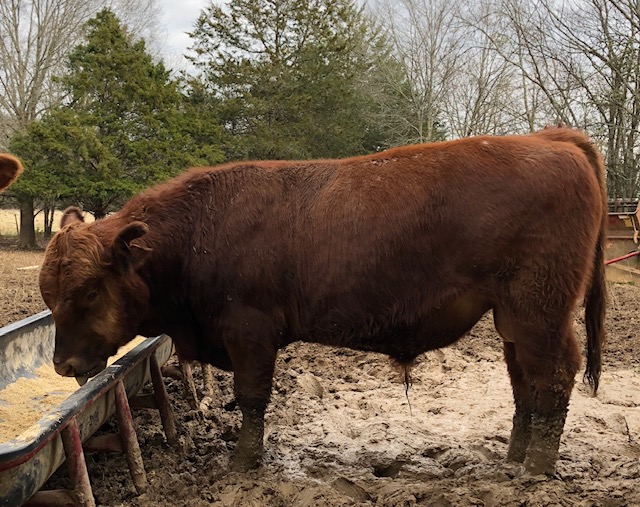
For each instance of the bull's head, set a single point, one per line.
(97, 299)
(10, 169)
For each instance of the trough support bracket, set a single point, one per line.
(190, 392)
(110, 442)
(129, 439)
(76, 464)
(162, 401)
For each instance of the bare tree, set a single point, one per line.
(452, 80)
(484, 97)
(584, 58)
(35, 38)
(427, 42)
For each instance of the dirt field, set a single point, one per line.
(339, 430)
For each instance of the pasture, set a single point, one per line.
(340, 431)
(10, 220)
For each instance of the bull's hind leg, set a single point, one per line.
(523, 400)
(522, 392)
(542, 362)
(552, 375)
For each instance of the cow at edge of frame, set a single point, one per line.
(10, 169)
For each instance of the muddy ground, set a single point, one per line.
(340, 431)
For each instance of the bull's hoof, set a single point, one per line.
(517, 455)
(245, 463)
(539, 466)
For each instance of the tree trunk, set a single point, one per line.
(48, 211)
(27, 238)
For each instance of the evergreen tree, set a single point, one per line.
(125, 124)
(288, 74)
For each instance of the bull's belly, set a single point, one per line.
(404, 341)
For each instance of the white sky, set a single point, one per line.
(178, 17)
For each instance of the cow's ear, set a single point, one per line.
(10, 169)
(126, 252)
(70, 215)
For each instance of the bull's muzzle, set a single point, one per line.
(78, 368)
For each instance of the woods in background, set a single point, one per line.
(96, 115)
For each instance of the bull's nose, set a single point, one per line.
(64, 369)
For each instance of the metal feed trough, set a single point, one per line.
(28, 460)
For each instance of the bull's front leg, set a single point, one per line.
(253, 355)
(250, 446)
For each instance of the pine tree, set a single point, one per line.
(288, 74)
(125, 124)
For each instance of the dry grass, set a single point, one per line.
(10, 219)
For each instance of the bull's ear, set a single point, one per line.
(126, 253)
(10, 169)
(70, 215)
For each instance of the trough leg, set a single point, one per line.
(76, 464)
(207, 376)
(129, 439)
(189, 385)
(162, 401)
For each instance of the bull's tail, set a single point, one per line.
(596, 295)
(595, 310)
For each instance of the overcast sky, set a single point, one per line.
(179, 17)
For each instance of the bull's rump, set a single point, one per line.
(375, 245)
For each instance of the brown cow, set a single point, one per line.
(400, 252)
(10, 169)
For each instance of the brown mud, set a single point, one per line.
(340, 431)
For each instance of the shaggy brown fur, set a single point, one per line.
(400, 252)
(10, 169)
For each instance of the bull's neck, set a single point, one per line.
(170, 238)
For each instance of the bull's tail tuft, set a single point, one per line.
(595, 310)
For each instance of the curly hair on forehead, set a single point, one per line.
(81, 250)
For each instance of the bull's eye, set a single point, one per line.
(92, 296)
